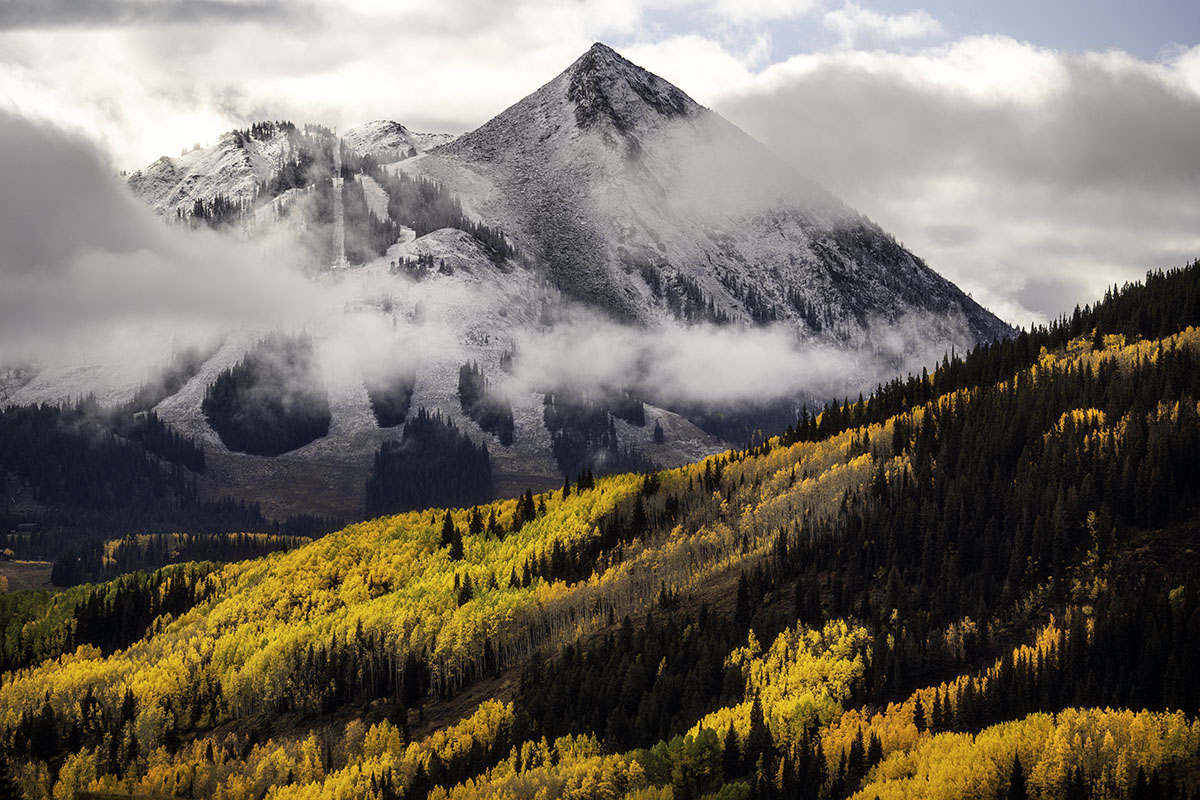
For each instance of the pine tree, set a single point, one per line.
(919, 716)
(856, 762)
(465, 591)
(758, 739)
(743, 611)
(874, 750)
(1017, 788)
(731, 756)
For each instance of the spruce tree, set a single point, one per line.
(1017, 788)
(919, 716)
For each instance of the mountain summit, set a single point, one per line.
(606, 88)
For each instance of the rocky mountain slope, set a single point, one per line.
(640, 201)
(234, 166)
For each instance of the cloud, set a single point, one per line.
(86, 271)
(41, 14)
(857, 26)
(1007, 167)
(724, 365)
(715, 71)
(745, 11)
(145, 88)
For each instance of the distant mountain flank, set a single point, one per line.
(242, 164)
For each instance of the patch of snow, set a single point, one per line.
(377, 199)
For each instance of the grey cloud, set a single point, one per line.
(1095, 181)
(84, 266)
(1058, 292)
(58, 198)
(1105, 129)
(39, 14)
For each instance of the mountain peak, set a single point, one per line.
(601, 56)
(388, 140)
(604, 85)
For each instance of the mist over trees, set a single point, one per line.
(583, 436)
(482, 403)
(272, 401)
(389, 390)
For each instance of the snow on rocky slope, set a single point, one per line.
(233, 167)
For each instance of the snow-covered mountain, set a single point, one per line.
(234, 167)
(390, 141)
(607, 195)
(240, 163)
(634, 196)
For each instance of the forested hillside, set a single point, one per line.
(976, 583)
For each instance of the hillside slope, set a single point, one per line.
(933, 602)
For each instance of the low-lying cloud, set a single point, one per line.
(725, 365)
(87, 272)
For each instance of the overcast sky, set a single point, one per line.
(1032, 152)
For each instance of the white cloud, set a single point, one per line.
(693, 61)
(87, 269)
(148, 89)
(1187, 63)
(745, 11)
(861, 27)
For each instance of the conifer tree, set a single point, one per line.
(1017, 788)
